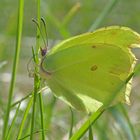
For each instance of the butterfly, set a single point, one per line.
(85, 70)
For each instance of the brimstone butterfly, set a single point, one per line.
(85, 70)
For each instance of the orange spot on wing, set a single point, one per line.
(93, 46)
(93, 68)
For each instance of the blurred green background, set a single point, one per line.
(124, 13)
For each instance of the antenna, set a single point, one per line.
(39, 30)
(44, 23)
(43, 50)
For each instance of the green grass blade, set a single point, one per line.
(24, 118)
(64, 32)
(37, 80)
(71, 14)
(49, 112)
(45, 8)
(90, 135)
(72, 122)
(122, 122)
(86, 125)
(122, 108)
(15, 64)
(40, 95)
(105, 12)
(137, 70)
(39, 131)
(13, 122)
(117, 90)
(41, 116)
(54, 21)
(26, 97)
(21, 100)
(99, 127)
(34, 95)
(63, 26)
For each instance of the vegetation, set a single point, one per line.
(30, 111)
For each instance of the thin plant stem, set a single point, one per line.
(34, 94)
(72, 122)
(13, 122)
(24, 98)
(28, 96)
(128, 121)
(37, 80)
(15, 64)
(37, 51)
(90, 131)
(49, 112)
(105, 12)
(85, 126)
(68, 18)
(24, 118)
(38, 131)
(117, 90)
(63, 26)
(42, 117)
